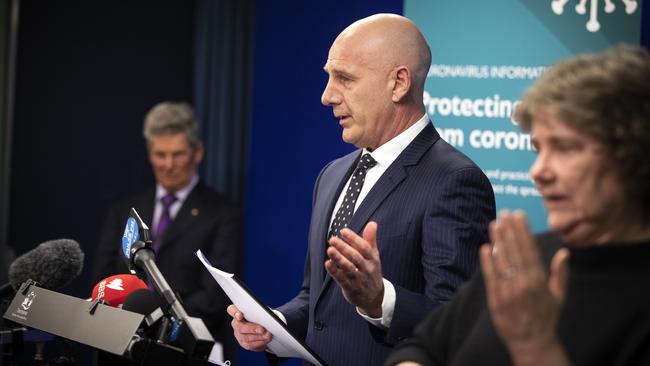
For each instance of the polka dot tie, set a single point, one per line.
(344, 213)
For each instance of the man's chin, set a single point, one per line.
(352, 140)
(170, 186)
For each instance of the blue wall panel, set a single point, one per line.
(293, 136)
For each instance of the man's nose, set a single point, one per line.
(168, 162)
(330, 95)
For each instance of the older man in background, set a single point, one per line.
(185, 215)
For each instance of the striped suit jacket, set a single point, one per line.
(432, 206)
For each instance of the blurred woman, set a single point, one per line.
(580, 294)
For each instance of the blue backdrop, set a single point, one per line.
(292, 137)
(485, 56)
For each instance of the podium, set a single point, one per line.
(104, 327)
(94, 324)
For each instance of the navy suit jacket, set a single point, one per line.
(432, 206)
(207, 221)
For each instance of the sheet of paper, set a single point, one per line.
(284, 344)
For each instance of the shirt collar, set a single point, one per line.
(388, 152)
(181, 194)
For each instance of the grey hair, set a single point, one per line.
(168, 118)
(605, 95)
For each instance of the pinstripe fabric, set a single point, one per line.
(433, 206)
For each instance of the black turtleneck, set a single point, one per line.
(605, 319)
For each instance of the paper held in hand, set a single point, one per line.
(284, 344)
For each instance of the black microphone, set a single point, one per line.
(153, 307)
(193, 335)
(154, 347)
(143, 301)
(52, 264)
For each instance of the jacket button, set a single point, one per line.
(318, 325)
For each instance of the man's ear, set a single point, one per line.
(402, 83)
(198, 153)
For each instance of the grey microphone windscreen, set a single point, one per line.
(52, 264)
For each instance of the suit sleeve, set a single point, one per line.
(296, 311)
(438, 337)
(454, 228)
(225, 252)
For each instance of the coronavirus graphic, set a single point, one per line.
(593, 25)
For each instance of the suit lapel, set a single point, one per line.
(393, 176)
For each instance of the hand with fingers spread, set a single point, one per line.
(355, 265)
(251, 336)
(524, 303)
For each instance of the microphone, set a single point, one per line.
(115, 289)
(143, 301)
(193, 335)
(52, 264)
(153, 307)
(154, 345)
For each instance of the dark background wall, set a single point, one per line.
(86, 75)
(645, 24)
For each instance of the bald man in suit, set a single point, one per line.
(363, 293)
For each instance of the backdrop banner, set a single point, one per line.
(485, 55)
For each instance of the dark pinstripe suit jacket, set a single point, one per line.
(433, 206)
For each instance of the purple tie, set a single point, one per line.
(165, 220)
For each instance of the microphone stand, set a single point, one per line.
(193, 335)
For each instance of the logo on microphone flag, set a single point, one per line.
(115, 289)
(22, 309)
(29, 299)
(131, 235)
(116, 284)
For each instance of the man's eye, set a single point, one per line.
(180, 154)
(344, 79)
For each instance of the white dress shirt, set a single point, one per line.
(385, 155)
